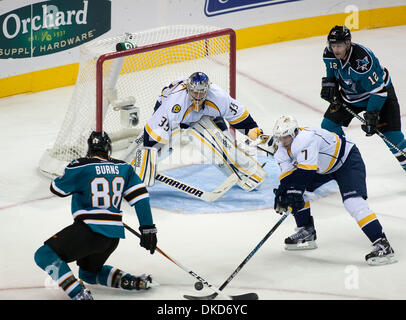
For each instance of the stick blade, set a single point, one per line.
(245, 296)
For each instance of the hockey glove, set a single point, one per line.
(294, 198)
(148, 238)
(268, 144)
(330, 92)
(280, 204)
(291, 198)
(371, 122)
(254, 133)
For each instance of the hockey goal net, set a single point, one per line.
(116, 91)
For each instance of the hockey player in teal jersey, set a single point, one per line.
(356, 78)
(97, 185)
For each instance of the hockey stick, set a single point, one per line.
(231, 277)
(208, 196)
(247, 296)
(380, 134)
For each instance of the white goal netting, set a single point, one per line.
(132, 84)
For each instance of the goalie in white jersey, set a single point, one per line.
(310, 157)
(200, 105)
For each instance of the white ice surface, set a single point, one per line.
(272, 80)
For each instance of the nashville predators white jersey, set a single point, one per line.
(176, 108)
(313, 149)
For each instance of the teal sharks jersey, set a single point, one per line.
(97, 187)
(363, 81)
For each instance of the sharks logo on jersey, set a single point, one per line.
(363, 64)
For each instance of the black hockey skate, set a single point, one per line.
(303, 239)
(382, 253)
(142, 282)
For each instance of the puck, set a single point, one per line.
(198, 285)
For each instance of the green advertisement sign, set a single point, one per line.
(52, 26)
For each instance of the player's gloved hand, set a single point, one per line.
(371, 122)
(330, 92)
(281, 204)
(254, 133)
(294, 198)
(291, 198)
(148, 237)
(268, 144)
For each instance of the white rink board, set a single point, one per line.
(127, 16)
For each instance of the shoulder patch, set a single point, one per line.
(360, 60)
(176, 108)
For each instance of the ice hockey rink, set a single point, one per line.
(272, 80)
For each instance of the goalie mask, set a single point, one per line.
(285, 130)
(99, 143)
(198, 85)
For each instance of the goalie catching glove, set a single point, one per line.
(254, 133)
(267, 144)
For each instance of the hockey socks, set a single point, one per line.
(373, 230)
(108, 276)
(58, 270)
(303, 217)
(115, 278)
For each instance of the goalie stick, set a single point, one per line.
(246, 296)
(208, 196)
(242, 264)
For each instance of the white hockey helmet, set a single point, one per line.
(285, 126)
(198, 85)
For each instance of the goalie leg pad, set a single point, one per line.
(227, 157)
(130, 152)
(145, 164)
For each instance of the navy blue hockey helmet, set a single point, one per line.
(99, 143)
(338, 34)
